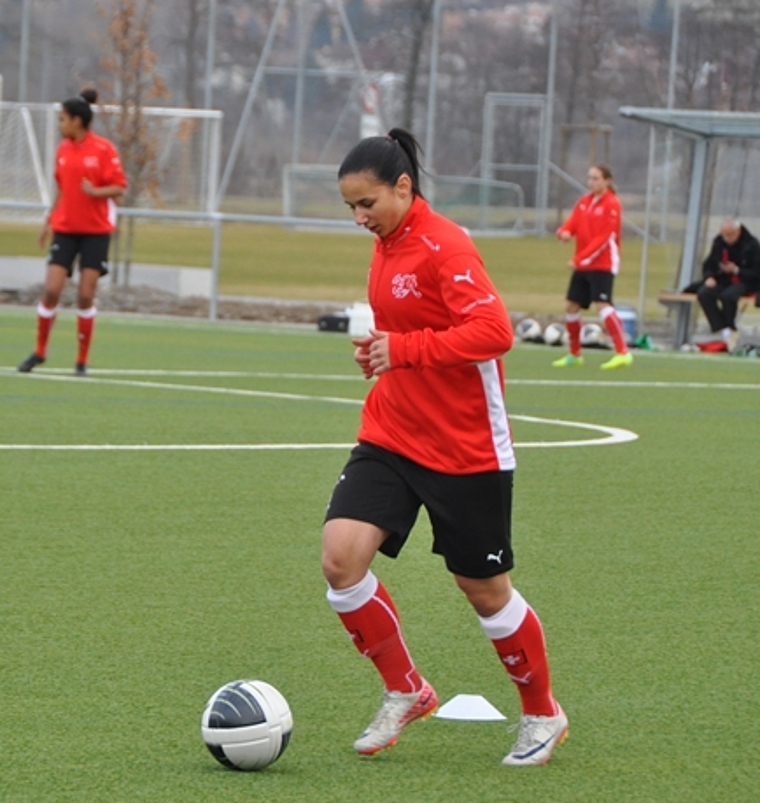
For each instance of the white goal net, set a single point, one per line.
(184, 147)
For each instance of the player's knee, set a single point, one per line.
(487, 596)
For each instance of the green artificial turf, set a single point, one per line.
(135, 583)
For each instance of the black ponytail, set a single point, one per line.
(388, 158)
(81, 107)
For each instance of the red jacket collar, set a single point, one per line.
(417, 211)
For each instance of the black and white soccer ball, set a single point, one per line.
(553, 334)
(247, 724)
(529, 330)
(592, 335)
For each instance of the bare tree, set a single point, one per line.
(420, 12)
(132, 80)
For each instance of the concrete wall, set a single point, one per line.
(16, 273)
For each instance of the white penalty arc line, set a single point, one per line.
(612, 435)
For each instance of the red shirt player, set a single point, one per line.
(89, 178)
(434, 434)
(595, 224)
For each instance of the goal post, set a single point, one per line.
(186, 142)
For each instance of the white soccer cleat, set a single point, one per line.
(396, 712)
(537, 739)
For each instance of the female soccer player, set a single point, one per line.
(595, 224)
(434, 433)
(89, 177)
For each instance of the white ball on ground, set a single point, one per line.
(553, 334)
(246, 724)
(529, 330)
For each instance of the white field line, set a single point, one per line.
(48, 377)
(97, 373)
(611, 434)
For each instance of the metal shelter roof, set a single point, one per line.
(699, 124)
(704, 128)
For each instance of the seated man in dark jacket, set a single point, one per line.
(731, 270)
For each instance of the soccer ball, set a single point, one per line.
(529, 330)
(553, 334)
(592, 334)
(246, 724)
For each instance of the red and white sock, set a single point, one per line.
(517, 635)
(45, 321)
(370, 617)
(614, 327)
(573, 322)
(85, 325)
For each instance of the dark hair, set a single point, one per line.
(388, 158)
(606, 172)
(80, 107)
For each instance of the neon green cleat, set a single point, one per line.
(618, 361)
(568, 361)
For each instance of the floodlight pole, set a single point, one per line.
(210, 202)
(431, 109)
(23, 66)
(542, 195)
(647, 221)
(669, 134)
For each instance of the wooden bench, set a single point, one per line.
(682, 303)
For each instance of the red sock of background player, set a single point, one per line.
(370, 617)
(45, 321)
(573, 326)
(614, 327)
(85, 325)
(516, 633)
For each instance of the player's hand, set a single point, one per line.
(563, 235)
(571, 264)
(379, 352)
(361, 355)
(88, 188)
(710, 282)
(373, 353)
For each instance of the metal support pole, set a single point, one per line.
(302, 32)
(486, 159)
(647, 221)
(431, 101)
(215, 267)
(545, 146)
(691, 236)
(23, 65)
(669, 135)
(205, 161)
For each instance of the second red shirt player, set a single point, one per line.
(89, 177)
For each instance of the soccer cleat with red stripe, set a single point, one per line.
(396, 712)
(536, 740)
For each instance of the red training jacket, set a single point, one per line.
(595, 224)
(96, 159)
(442, 404)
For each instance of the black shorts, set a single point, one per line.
(91, 248)
(470, 514)
(590, 285)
